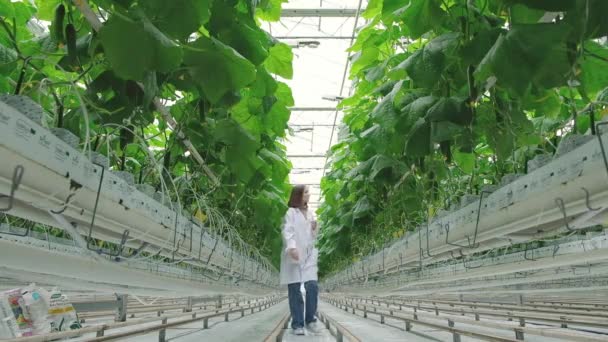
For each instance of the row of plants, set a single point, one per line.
(158, 83)
(450, 96)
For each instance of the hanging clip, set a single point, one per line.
(125, 234)
(474, 244)
(427, 241)
(562, 207)
(447, 236)
(526, 253)
(92, 224)
(16, 181)
(587, 200)
(599, 138)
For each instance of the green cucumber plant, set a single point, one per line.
(449, 96)
(207, 61)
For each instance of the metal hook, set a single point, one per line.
(421, 254)
(562, 207)
(599, 137)
(175, 231)
(200, 244)
(427, 241)
(555, 249)
(16, 181)
(125, 234)
(474, 245)
(65, 204)
(92, 224)
(447, 235)
(191, 232)
(587, 200)
(470, 244)
(176, 249)
(123, 241)
(526, 253)
(213, 250)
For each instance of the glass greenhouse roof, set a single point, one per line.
(318, 78)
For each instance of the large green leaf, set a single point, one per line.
(241, 148)
(421, 16)
(280, 60)
(248, 114)
(546, 5)
(264, 84)
(466, 161)
(239, 31)
(425, 67)
(217, 68)
(276, 119)
(46, 8)
(284, 94)
(450, 109)
(134, 47)
(177, 18)
(418, 141)
(521, 14)
(362, 208)
(413, 112)
(381, 163)
(594, 68)
(389, 7)
(474, 51)
(363, 59)
(7, 55)
(373, 8)
(588, 19)
(270, 10)
(445, 131)
(528, 54)
(385, 112)
(7, 10)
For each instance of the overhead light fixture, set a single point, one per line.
(309, 43)
(313, 44)
(333, 98)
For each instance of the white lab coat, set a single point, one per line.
(297, 233)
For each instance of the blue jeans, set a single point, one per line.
(296, 303)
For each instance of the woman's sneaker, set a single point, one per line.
(313, 327)
(299, 331)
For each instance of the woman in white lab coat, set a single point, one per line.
(299, 260)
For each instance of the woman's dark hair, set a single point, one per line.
(296, 200)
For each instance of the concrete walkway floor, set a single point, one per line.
(322, 335)
(254, 327)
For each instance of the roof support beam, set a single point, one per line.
(312, 109)
(306, 156)
(319, 12)
(313, 37)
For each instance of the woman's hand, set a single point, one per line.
(313, 225)
(293, 253)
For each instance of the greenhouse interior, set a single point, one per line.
(303, 170)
